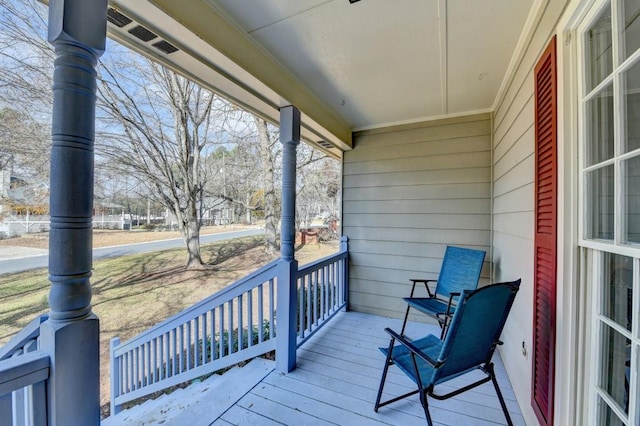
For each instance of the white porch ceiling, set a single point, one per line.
(346, 66)
(377, 62)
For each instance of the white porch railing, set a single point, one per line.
(322, 292)
(24, 371)
(233, 325)
(229, 327)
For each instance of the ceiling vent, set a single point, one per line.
(325, 144)
(117, 18)
(165, 47)
(142, 33)
(138, 31)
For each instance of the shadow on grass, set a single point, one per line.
(116, 280)
(218, 254)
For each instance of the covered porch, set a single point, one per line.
(430, 112)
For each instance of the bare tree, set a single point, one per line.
(26, 60)
(266, 148)
(22, 142)
(168, 127)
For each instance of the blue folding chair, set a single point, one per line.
(473, 336)
(460, 271)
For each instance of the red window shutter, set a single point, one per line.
(544, 312)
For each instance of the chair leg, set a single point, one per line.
(489, 369)
(425, 406)
(387, 363)
(406, 317)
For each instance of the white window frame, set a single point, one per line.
(592, 275)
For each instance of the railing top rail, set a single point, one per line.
(24, 370)
(31, 331)
(218, 298)
(322, 262)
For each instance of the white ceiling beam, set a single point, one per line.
(444, 57)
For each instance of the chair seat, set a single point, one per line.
(428, 305)
(401, 356)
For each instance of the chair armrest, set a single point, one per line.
(426, 285)
(450, 302)
(407, 344)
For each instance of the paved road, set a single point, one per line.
(35, 262)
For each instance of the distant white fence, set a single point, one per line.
(15, 226)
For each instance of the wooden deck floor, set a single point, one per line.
(337, 378)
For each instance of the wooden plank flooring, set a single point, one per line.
(336, 383)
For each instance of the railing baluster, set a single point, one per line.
(261, 314)
(161, 368)
(203, 347)
(272, 326)
(122, 384)
(134, 369)
(221, 338)
(188, 344)
(231, 324)
(181, 348)
(322, 282)
(300, 290)
(311, 302)
(240, 323)
(340, 274)
(136, 376)
(154, 361)
(174, 352)
(196, 343)
(171, 354)
(328, 285)
(250, 318)
(213, 334)
(147, 380)
(125, 382)
(336, 281)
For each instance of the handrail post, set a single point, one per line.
(77, 30)
(344, 247)
(286, 326)
(115, 376)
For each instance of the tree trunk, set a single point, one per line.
(191, 236)
(266, 158)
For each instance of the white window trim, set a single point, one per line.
(577, 358)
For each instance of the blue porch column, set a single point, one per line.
(286, 327)
(77, 30)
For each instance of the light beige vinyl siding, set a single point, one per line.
(513, 204)
(408, 192)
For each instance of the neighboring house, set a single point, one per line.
(22, 194)
(509, 126)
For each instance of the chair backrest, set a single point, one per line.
(460, 270)
(475, 329)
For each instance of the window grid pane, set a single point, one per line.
(600, 203)
(617, 289)
(615, 353)
(606, 416)
(631, 80)
(600, 131)
(631, 170)
(599, 39)
(631, 21)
